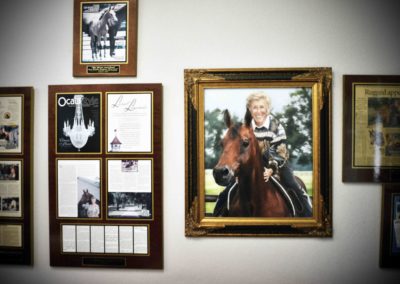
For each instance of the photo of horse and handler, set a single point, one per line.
(258, 152)
(104, 32)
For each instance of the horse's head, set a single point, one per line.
(86, 196)
(239, 150)
(111, 17)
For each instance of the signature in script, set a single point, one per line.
(129, 105)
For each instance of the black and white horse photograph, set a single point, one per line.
(104, 32)
(88, 196)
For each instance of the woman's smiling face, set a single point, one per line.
(259, 111)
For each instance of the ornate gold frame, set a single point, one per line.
(196, 81)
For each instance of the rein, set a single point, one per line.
(229, 194)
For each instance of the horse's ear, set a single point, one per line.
(227, 118)
(247, 118)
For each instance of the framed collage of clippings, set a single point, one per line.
(228, 154)
(105, 38)
(16, 164)
(105, 175)
(371, 128)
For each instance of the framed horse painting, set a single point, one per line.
(105, 38)
(371, 128)
(258, 152)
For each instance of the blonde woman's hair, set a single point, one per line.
(258, 97)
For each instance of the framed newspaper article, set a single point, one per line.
(371, 128)
(390, 226)
(105, 175)
(258, 152)
(16, 185)
(105, 38)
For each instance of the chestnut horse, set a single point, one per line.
(241, 162)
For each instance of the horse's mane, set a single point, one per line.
(102, 13)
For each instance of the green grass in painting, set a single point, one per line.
(306, 177)
(211, 187)
(210, 207)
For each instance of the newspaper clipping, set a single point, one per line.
(10, 124)
(105, 239)
(79, 188)
(130, 188)
(376, 125)
(10, 236)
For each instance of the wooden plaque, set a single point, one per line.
(16, 175)
(105, 38)
(105, 175)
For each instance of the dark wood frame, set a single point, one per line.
(373, 173)
(154, 258)
(197, 223)
(23, 255)
(106, 69)
(387, 258)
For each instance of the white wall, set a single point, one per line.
(352, 37)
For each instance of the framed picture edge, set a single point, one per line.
(106, 68)
(371, 173)
(386, 259)
(23, 255)
(194, 227)
(154, 260)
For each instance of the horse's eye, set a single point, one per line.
(245, 142)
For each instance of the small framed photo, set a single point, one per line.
(105, 38)
(371, 128)
(390, 224)
(258, 152)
